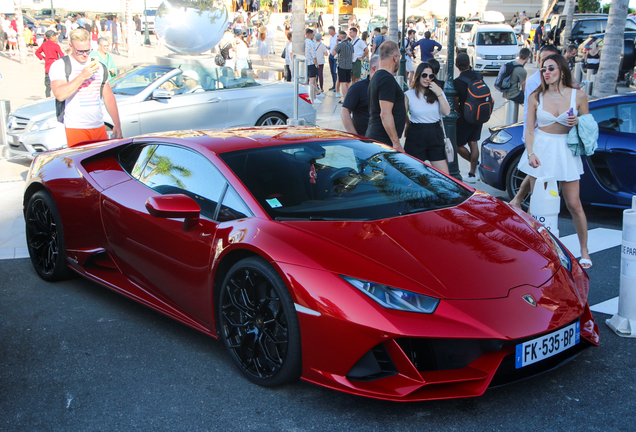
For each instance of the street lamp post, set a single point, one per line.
(146, 33)
(450, 121)
(403, 48)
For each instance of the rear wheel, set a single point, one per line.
(258, 323)
(45, 238)
(272, 119)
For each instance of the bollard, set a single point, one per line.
(300, 77)
(624, 322)
(545, 203)
(5, 109)
(578, 72)
(512, 112)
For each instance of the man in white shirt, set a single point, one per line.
(271, 36)
(333, 41)
(82, 92)
(191, 82)
(360, 51)
(68, 24)
(311, 61)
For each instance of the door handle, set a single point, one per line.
(214, 100)
(112, 207)
(622, 151)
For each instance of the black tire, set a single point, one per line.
(514, 178)
(272, 119)
(45, 238)
(258, 323)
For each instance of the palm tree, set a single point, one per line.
(21, 42)
(298, 27)
(130, 30)
(393, 20)
(567, 31)
(605, 83)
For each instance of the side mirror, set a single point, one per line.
(175, 206)
(161, 94)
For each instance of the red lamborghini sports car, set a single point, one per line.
(315, 254)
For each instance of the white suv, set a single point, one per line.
(491, 46)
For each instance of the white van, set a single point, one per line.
(491, 46)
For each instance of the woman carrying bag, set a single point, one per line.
(425, 104)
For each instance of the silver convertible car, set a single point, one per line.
(152, 98)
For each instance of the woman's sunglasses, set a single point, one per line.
(549, 68)
(431, 76)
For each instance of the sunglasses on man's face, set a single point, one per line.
(548, 69)
(82, 52)
(429, 76)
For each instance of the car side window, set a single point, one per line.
(627, 118)
(606, 117)
(233, 207)
(173, 170)
(630, 25)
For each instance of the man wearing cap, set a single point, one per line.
(49, 51)
(191, 82)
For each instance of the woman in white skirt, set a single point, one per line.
(547, 153)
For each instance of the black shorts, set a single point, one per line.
(312, 71)
(425, 141)
(344, 75)
(467, 132)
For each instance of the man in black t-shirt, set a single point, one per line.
(386, 100)
(356, 102)
(466, 133)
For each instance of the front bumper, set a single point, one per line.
(489, 65)
(29, 144)
(461, 350)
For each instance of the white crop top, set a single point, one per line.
(421, 111)
(545, 118)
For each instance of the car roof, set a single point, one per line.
(495, 27)
(227, 140)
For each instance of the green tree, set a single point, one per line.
(589, 5)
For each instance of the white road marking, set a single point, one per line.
(598, 239)
(609, 307)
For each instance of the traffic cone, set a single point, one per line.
(624, 322)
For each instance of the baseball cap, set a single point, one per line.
(462, 60)
(191, 74)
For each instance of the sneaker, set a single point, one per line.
(472, 178)
(321, 96)
(332, 89)
(338, 95)
(317, 101)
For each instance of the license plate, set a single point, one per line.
(548, 345)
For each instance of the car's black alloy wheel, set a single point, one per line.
(258, 323)
(45, 238)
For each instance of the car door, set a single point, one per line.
(621, 148)
(180, 110)
(159, 253)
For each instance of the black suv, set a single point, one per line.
(584, 28)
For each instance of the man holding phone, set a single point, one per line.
(81, 91)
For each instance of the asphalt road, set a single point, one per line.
(78, 357)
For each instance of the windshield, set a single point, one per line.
(135, 80)
(341, 180)
(496, 38)
(467, 28)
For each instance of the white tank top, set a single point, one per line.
(420, 110)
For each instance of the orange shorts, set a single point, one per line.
(75, 137)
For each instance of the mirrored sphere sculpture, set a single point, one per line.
(191, 26)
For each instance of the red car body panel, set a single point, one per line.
(479, 258)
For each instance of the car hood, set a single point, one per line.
(480, 249)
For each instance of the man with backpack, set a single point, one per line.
(80, 83)
(474, 105)
(512, 77)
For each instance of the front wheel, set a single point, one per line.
(514, 178)
(272, 119)
(258, 323)
(45, 238)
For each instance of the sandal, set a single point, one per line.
(585, 263)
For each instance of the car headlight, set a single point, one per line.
(393, 298)
(41, 125)
(500, 137)
(560, 250)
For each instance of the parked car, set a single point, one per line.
(609, 179)
(628, 57)
(491, 46)
(315, 254)
(557, 23)
(583, 28)
(150, 99)
(463, 36)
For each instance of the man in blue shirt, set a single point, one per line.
(427, 46)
